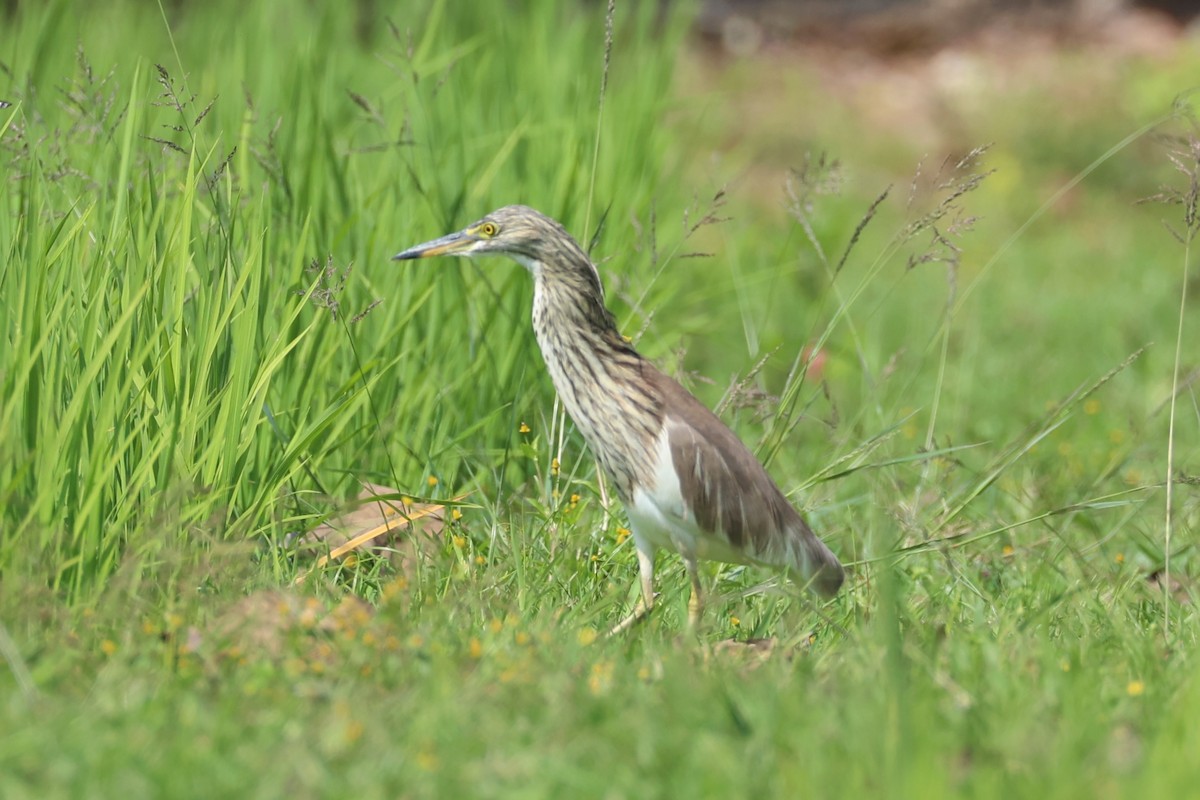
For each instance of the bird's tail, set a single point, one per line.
(816, 564)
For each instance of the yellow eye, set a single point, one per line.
(488, 229)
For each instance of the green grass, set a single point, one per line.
(199, 206)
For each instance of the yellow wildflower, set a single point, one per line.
(601, 678)
(427, 761)
(395, 587)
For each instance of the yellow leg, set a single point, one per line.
(645, 603)
(696, 600)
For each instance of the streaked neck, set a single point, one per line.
(599, 376)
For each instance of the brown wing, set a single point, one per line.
(730, 495)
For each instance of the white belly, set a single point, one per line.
(659, 516)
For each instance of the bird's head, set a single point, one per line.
(519, 232)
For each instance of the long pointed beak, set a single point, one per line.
(451, 244)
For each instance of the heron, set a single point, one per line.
(688, 484)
